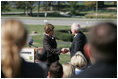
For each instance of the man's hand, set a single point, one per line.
(64, 50)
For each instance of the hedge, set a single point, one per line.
(101, 16)
(63, 35)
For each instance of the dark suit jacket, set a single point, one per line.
(78, 43)
(50, 49)
(29, 70)
(100, 70)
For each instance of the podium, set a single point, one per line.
(29, 53)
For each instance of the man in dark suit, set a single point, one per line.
(79, 40)
(103, 52)
(50, 45)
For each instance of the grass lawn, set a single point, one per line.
(64, 58)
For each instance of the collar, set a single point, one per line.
(50, 36)
(75, 35)
(46, 34)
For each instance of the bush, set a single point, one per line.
(53, 14)
(86, 29)
(63, 35)
(101, 16)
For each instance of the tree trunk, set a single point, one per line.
(59, 4)
(115, 2)
(100, 4)
(38, 9)
(26, 10)
(30, 11)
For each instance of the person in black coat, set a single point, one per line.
(14, 37)
(79, 40)
(29, 70)
(103, 52)
(50, 45)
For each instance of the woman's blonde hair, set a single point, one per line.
(13, 37)
(68, 70)
(78, 60)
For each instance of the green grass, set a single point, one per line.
(64, 58)
(40, 28)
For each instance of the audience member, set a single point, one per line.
(55, 70)
(14, 36)
(79, 61)
(68, 70)
(41, 59)
(103, 52)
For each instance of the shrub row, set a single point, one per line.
(63, 35)
(101, 16)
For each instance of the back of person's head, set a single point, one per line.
(55, 70)
(78, 60)
(48, 28)
(68, 70)
(13, 38)
(103, 41)
(41, 56)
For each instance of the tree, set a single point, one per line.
(30, 7)
(26, 9)
(58, 5)
(27, 6)
(38, 8)
(21, 5)
(73, 7)
(90, 4)
(115, 2)
(47, 5)
(5, 6)
(100, 4)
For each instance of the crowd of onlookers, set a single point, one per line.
(77, 64)
(95, 57)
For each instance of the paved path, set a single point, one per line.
(66, 21)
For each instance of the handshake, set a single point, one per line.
(64, 50)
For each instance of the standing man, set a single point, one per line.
(79, 40)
